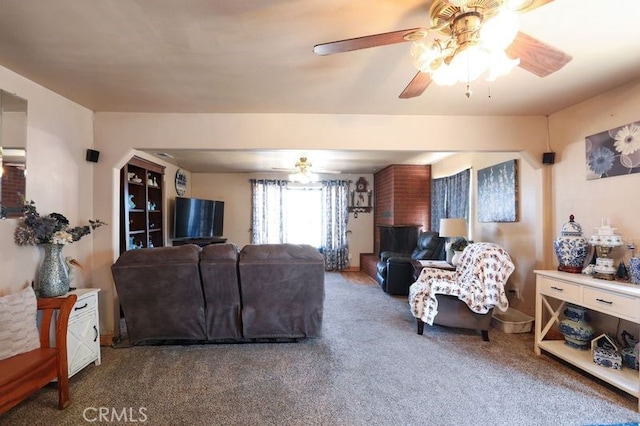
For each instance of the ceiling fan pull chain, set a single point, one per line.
(469, 92)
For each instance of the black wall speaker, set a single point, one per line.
(548, 158)
(92, 155)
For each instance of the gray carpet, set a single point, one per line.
(370, 368)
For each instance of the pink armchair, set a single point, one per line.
(463, 298)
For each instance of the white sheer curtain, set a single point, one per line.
(268, 216)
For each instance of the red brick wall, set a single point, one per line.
(402, 197)
(13, 182)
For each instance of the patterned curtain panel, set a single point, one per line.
(438, 202)
(336, 216)
(450, 197)
(458, 195)
(268, 214)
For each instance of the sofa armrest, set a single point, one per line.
(399, 259)
(385, 255)
(440, 274)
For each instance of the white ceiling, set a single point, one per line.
(248, 56)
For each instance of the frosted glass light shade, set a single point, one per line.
(500, 31)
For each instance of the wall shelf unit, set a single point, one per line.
(141, 205)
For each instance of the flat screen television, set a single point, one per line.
(196, 218)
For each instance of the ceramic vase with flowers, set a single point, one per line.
(458, 246)
(52, 233)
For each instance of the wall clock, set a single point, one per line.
(181, 182)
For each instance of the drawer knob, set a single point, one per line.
(556, 288)
(81, 307)
(95, 330)
(605, 301)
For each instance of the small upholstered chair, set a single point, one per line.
(463, 298)
(395, 271)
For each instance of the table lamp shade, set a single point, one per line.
(453, 227)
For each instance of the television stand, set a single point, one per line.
(200, 242)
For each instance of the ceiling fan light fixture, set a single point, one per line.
(469, 63)
(500, 31)
(424, 54)
(474, 41)
(443, 76)
(303, 177)
(501, 64)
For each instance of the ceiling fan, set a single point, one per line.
(466, 38)
(304, 172)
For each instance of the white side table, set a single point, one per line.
(83, 335)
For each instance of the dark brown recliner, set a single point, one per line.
(161, 294)
(282, 288)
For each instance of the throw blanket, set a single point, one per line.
(478, 281)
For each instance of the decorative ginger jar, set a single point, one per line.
(571, 247)
(576, 328)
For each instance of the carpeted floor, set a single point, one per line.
(370, 368)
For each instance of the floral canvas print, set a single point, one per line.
(613, 152)
(497, 190)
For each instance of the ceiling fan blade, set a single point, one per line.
(365, 42)
(418, 85)
(330, 172)
(533, 4)
(537, 57)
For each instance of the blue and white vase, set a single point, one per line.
(634, 270)
(571, 247)
(576, 328)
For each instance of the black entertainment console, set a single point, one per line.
(201, 242)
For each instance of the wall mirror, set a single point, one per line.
(13, 153)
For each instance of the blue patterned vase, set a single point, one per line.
(53, 277)
(571, 247)
(634, 270)
(576, 328)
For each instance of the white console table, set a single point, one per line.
(616, 299)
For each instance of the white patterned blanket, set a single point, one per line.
(478, 281)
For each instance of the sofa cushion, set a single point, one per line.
(161, 293)
(282, 287)
(219, 273)
(18, 328)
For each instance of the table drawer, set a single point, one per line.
(84, 305)
(610, 303)
(559, 289)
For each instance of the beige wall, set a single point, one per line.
(58, 179)
(615, 197)
(235, 190)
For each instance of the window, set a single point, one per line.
(303, 213)
(298, 215)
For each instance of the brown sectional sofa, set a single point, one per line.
(192, 294)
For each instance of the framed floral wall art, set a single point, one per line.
(613, 152)
(497, 193)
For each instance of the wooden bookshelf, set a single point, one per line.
(141, 205)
